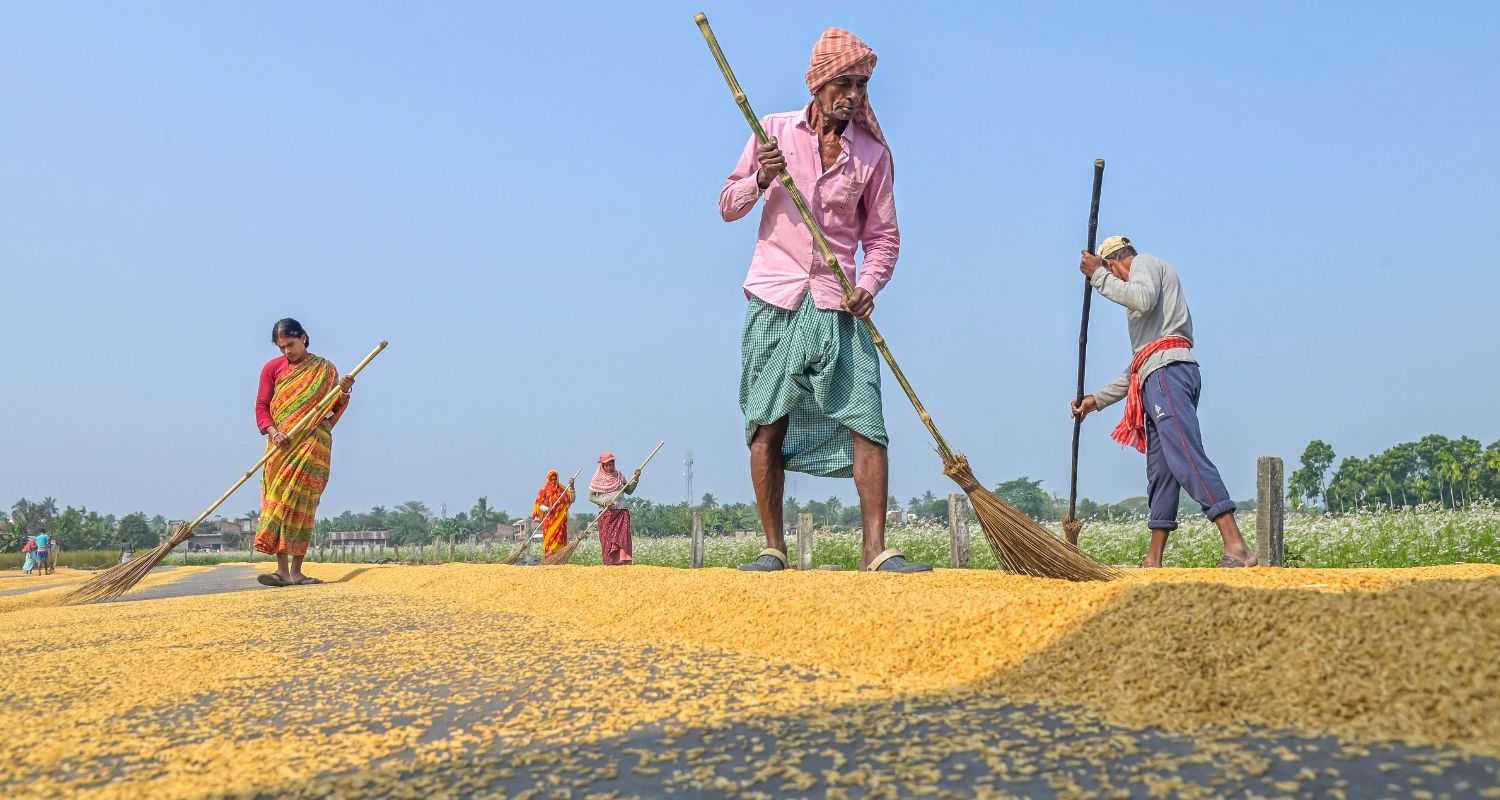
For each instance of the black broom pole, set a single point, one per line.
(1083, 336)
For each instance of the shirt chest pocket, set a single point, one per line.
(845, 188)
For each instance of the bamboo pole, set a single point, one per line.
(303, 426)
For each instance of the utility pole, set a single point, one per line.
(687, 474)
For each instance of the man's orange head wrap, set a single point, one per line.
(838, 53)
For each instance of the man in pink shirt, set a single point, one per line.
(810, 375)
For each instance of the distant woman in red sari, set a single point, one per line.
(551, 510)
(605, 491)
(291, 386)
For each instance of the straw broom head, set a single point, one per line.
(119, 579)
(564, 555)
(1071, 528)
(1022, 545)
(515, 555)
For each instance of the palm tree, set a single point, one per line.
(481, 515)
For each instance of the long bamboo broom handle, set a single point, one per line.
(324, 406)
(1083, 335)
(829, 259)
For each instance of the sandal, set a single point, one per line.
(896, 561)
(306, 580)
(271, 579)
(769, 560)
(1230, 561)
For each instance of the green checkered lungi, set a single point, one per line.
(821, 369)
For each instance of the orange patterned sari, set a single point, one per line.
(297, 473)
(557, 499)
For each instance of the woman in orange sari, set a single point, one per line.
(551, 510)
(291, 386)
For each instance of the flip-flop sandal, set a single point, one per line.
(1231, 561)
(307, 580)
(896, 561)
(769, 560)
(271, 579)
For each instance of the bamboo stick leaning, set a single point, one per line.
(525, 547)
(120, 578)
(562, 556)
(1020, 543)
(1071, 526)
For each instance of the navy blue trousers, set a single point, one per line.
(1174, 447)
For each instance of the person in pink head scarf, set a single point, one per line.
(809, 371)
(605, 490)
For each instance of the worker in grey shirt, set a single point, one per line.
(1161, 390)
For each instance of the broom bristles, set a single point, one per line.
(516, 554)
(121, 578)
(562, 556)
(1020, 543)
(1071, 528)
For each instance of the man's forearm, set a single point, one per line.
(1113, 392)
(1130, 294)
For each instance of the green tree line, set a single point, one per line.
(1433, 469)
(413, 522)
(79, 528)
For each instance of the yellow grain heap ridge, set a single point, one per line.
(18, 593)
(251, 691)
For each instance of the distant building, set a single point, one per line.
(513, 531)
(358, 538)
(205, 539)
(213, 536)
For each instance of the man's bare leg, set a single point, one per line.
(282, 571)
(1234, 543)
(296, 574)
(1158, 546)
(768, 474)
(872, 474)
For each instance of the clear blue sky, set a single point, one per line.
(522, 199)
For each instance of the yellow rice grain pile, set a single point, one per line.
(249, 691)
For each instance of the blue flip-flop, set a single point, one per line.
(897, 562)
(769, 560)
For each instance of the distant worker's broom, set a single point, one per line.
(517, 554)
(1020, 544)
(1071, 526)
(562, 556)
(119, 579)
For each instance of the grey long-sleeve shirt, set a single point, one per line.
(1156, 306)
(602, 499)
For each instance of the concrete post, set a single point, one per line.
(1270, 511)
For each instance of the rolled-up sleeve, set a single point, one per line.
(741, 189)
(880, 237)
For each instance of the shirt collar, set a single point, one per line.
(805, 122)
